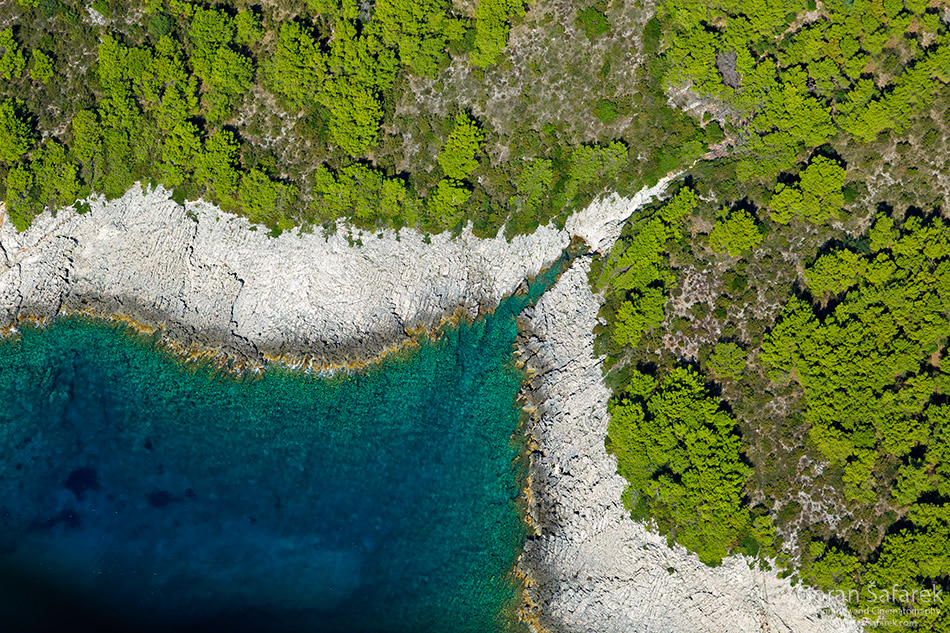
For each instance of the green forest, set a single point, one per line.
(774, 332)
(294, 114)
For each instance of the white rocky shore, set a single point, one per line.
(205, 278)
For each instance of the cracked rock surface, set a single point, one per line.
(205, 277)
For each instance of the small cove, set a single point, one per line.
(147, 493)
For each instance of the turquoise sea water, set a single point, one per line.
(138, 492)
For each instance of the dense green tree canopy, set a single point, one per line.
(419, 31)
(298, 67)
(12, 61)
(865, 368)
(331, 83)
(818, 196)
(172, 94)
(780, 73)
(42, 66)
(534, 183)
(727, 360)
(16, 135)
(491, 28)
(457, 156)
(683, 461)
(735, 234)
(874, 393)
(637, 270)
(445, 203)
(365, 193)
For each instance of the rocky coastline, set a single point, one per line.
(213, 285)
(216, 286)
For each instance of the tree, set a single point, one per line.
(606, 110)
(18, 203)
(835, 273)
(231, 72)
(160, 25)
(457, 156)
(263, 199)
(363, 195)
(179, 103)
(355, 114)
(817, 198)
(446, 203)
(42, 69)
(858, 479)
(298, 67)
(211, 28)
(419, 30)
(248, 27)
(12, 61)
(736, 234)
(821, 184)
(794, 86)
(16, 134)
(227, 72)
(534, 182)
(55, 177)
(864, 367)
(360, 58)
(635, 317)
(332, 8)
(491, 29)
(727, 361)
(361, 72)
(215, 166)
(636, 271)
(112, 62)
(180, 149)
(87, 135)
(591, 167)
(914, 480)
(49, 180)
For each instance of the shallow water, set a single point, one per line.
(139, 492)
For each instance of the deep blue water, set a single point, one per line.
(138, 492)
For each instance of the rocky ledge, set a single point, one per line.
(211, 282)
